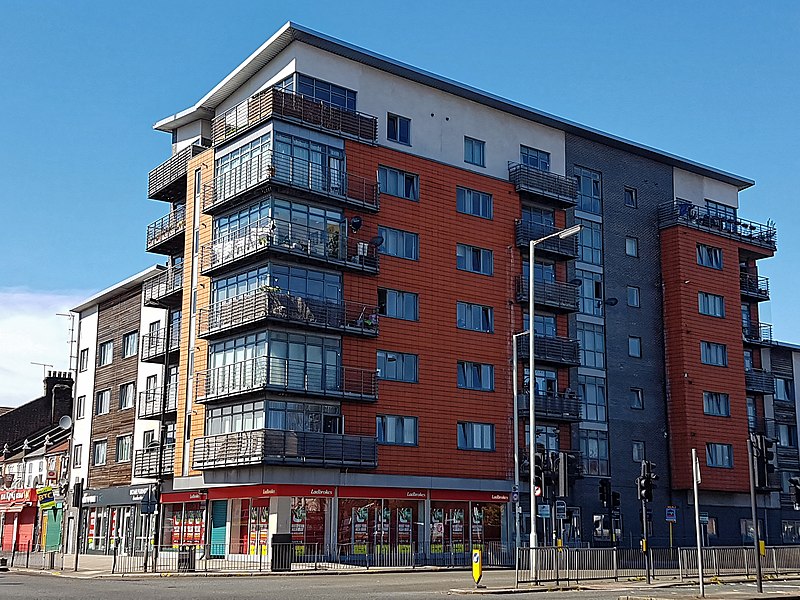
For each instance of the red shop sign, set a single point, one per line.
(15, 496)
(383, 492)
(262, 491)
(475, 496)
(173, 497)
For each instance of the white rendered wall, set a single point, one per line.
(697, 189)
(84, 386)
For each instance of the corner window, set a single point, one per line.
(397, 366)
(475, 436)
(633, 296)
(719, 455)
(472, 202)
(631, 199)
(716, 404)
(632, 246)
(398, 183)
(475, 376)
(474, 151)
(106, 353)
(398, 129)
(635, 346)
(708, 256)
(474, 259)
(396, 430)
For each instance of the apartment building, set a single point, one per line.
(347, 261)
(123, 353)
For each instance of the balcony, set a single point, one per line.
(703, 219)
(286, 376)
(555, 295)
(291, 448)
(282, 172)
(306, 243)
(153, 344)
(758, 334)
(551, 349)
(151, 405)
(754, 287)
(146, 462)
(269, 304)
(564, 249)
(164, 290)
(562, 190)
(759, 381)
(552, 406)
(165, 236)
(168, 180)
(276, 103)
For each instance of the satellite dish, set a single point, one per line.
(356, 223)
(611, 302)
(377, 241)
(65, 422)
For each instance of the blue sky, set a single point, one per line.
(81, 84)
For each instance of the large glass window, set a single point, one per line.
(716, 404)
(242, 168)
(397, 366)
(592, 345)
(592, 391)
(304, 416)
(323, 91)
(402, 244)
(238, 417)
(398, 305)
(590, 242)
(475, 436)
(475, 376)
(594, 451)
(398, 183)
(475, 317)
(536, 215)
(591, 292)
(589, 190)
(308, 164)
(473, 202)
(397, 430)
(531, 157)
(474, 259)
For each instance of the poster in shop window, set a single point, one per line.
(360, 529)
(404, 524)
(437, 530)
(91, 528)
(299, 525)
(386, 519)
(457, 529)
(477, 527)
(177, 527)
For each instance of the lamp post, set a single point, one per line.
(563, 234)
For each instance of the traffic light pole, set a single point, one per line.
(751, 462)
(646, 548)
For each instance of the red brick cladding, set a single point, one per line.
(687, 377)
(436, 399)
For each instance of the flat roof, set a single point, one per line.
(290, 32)
(119, 288)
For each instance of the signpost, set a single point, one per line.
(671, 516)
(698, 519)
(544, 511)
(477, 566)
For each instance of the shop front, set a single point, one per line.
(18, 519)
(112, 519)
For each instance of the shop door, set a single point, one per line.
(219, 517)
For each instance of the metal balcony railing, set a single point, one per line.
(151, 405)
(167, 181)
(754, 286)
(563, 248)
(553, 294)
(759, 381)
(319, 244)
(285, 375)
(275, 102)
(146, 462)
(283, 169)
(555, 406)
(543, 183)
(271, 304)
(164, 288)
(551, 349)
(757, 333)
(272, 446)
(698, 217)
(167, 232)
(153, 345)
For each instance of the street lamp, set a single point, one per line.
(563, 234)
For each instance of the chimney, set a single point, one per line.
(58, 388)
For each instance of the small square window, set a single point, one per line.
(633, 296)
(398, 129)
(474, 151)
(631, 246)
(637, 398)
(635, 346)
(631, 199)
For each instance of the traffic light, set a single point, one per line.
(538, 470)
(615, 499)
(769, 455)
(644, 483)
(604, 491)
(794, 490)
(763, 458)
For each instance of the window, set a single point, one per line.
(99, 454)
(398, 305)
(474, 317)
(633, 296)
(631, 198)
(787, 435)
(719, 455)
(631, 246)
(402, 244)
(130, 344)
(474, 260)
(124, 444)
(398, 183)
(594, 451)
(590, 242)
(106, 353)
(636, 396)
(475, 376)
(398, 129)
(77, 455)
(83, 360)
(475, 436)
(716, 404)
(713, 354)
(592, 345)
(80, 407)
(328, 93)
(784, 389)
(127, 392)
(708, 256)
(148, 438)
(102, 402)
(634, 346)
(472, 202)
(397, 366)
(531, 157)
(396, 430)
(589, 194)
(474, 151)
(592, 391)
(638, 451)
(591, 292)
(711, 304)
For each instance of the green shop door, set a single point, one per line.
(219, 518)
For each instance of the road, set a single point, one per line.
(406, 586)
